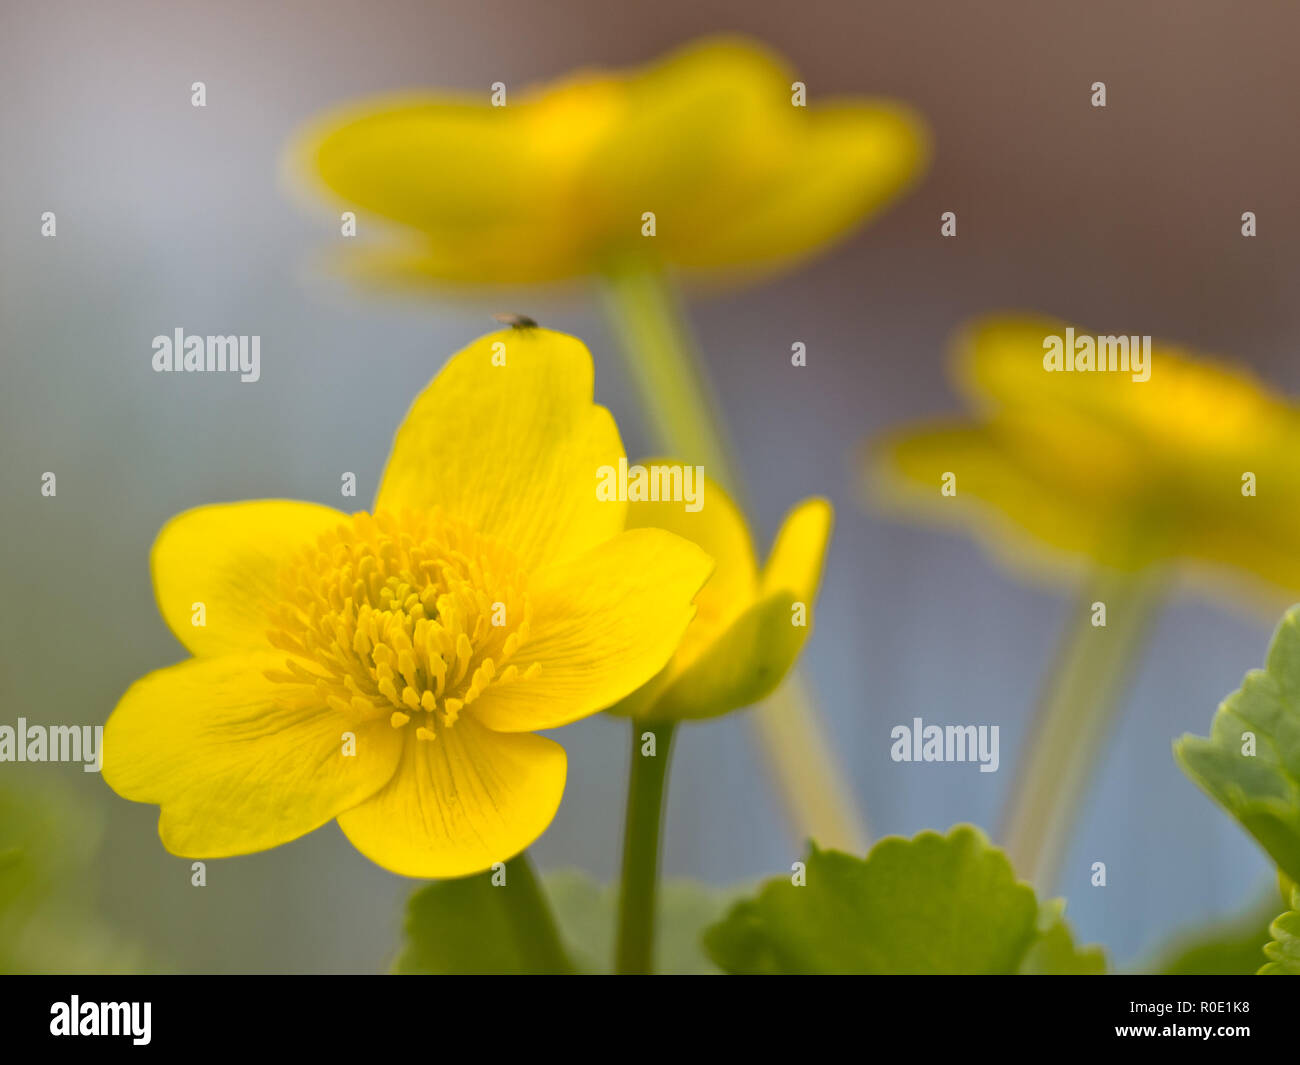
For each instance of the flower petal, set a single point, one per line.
(1192, 406)
(460, 803)
(238, 762)
(227, 557)
(719, 529)
(602, 626)
(693, 116)
(416, 159)
(512, 448)
(479, 193)
(705, 127)
(799, 551)
(997, 491)
(751, 657)
(824, 176)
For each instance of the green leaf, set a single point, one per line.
(1284, 949)
(1229, 948)
(476, 926)
(1260, 789)
(931, 904)
(1053, 953)
(587, 911)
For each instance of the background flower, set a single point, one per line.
(1133, 470)
(1099, 467)
(555, 182)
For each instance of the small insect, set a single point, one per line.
(516, 321)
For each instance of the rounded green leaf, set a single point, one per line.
(1250, 763)
(931, 904)
(1284, 950)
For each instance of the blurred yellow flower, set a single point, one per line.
(389, 670)
(750, 625)
(1199, 463)
(707, 149)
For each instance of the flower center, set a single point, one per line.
(413, 618)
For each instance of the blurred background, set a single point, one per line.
(1126, 220)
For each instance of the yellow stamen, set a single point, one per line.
(394, 617)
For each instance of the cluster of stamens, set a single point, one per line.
(413, 618)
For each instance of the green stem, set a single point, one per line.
(530, 916)
(660, 355)
(647, 779)
(678, 399)
(1074, 719)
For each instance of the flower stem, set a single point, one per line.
(678, 399)
(532, 919)
(647, 781)
(1075, 714)
(660, 355)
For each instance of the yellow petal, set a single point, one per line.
(1260, 541)
(417, 159)
(742, 666)
(465, 177)
(696, 113)
(702, 126)
(739, 178)
(745, 662)
(846, 162)
(237, 762)
(227, 558)
(795, 564)
(603, 624)
(1192, 405)
(719, 529)
(1097, 486)
(460, 803)
(1006, 481)
(512, 447)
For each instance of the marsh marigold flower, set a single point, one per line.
(1198, 464)
(562, 180)
(389, 669)
(751, 624)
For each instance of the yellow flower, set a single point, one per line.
(559, 181)
(1197, 464)
(750, 625)
(388, 670)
